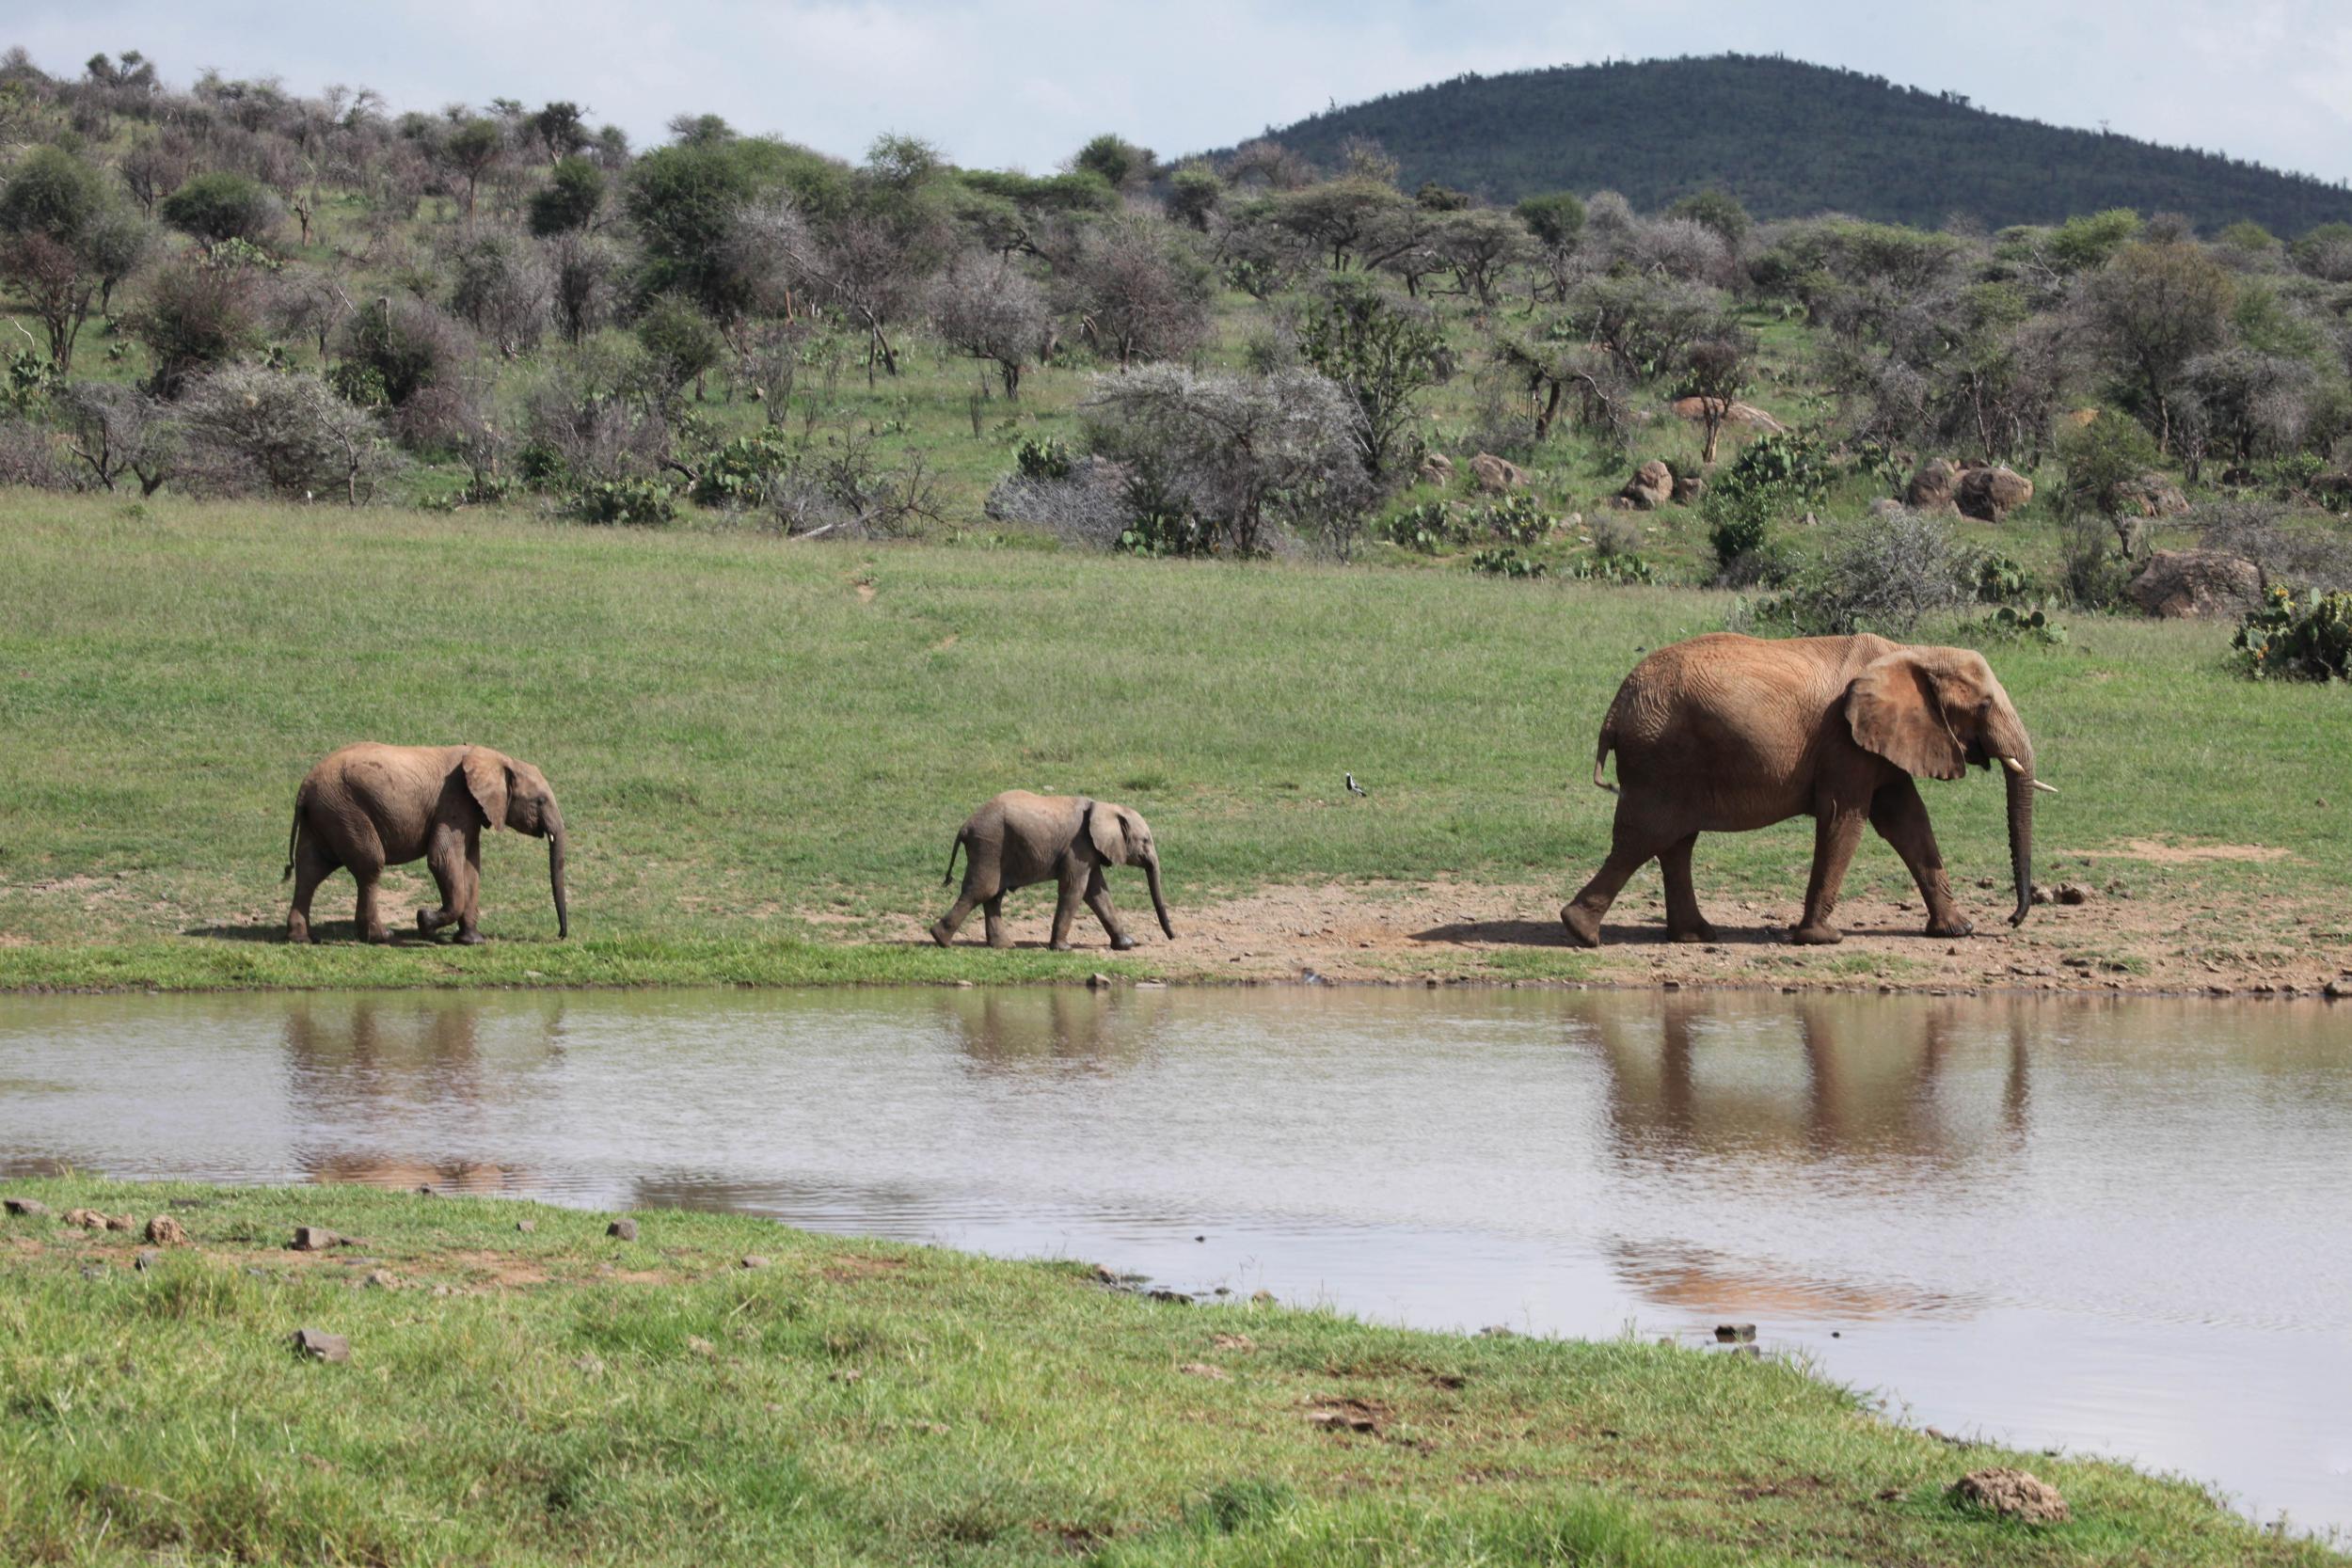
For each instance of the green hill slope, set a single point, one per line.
(1791, 139)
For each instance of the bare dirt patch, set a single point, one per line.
(2129, 941)
(2186, 854)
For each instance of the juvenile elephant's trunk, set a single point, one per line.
(555, 876)
(1159, 903)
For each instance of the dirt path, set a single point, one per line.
(1405, 931)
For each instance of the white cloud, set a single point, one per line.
(1025, 82)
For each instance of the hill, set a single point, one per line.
(1791, 139)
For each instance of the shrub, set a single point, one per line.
(1772, 475)
(198, 315)
(1881, 573)
(406, 345)
(634, 502)
(1041, 457)
(1503, 562)
(2296, 638)
(1430, 527)
(288, 430)
(742, 472)
(1517, 518)
(222, 206)
(679, 340)
(569, 200)
(1384, 353)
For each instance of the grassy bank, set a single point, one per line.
(764, 749)
(561, 1396)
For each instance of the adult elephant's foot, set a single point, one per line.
(1056, 948)
(1700, 932)
(1122, 942)
(940, 933)
(298, 932)
(1956, 927)
(469, 939)
(1816, 936)
(1582, 923)
(430, 921)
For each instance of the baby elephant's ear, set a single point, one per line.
(1110, 836)
(485, 781)
(1893, 710)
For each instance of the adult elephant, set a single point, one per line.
(369, 806)
(1019, 838)
(1725, 734)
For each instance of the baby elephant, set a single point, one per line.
(369, 806)
(1020, 838)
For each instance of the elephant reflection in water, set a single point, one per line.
(1007, 1029)
(371, 1065)
(1871, 1090)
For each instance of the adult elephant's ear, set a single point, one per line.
(1892, 710)
(485, 781)
(1108, 833)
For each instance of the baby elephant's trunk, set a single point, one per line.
(555, 876)
(1159, 901)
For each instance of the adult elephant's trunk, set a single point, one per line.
(1159, 903)
(2018, 773)
(555, 876)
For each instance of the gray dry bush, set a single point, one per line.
(1882, 573)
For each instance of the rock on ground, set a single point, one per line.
(1989, 495)
(2013, 1495)
(1495, 475)
(1651, 486)
(2193, 584)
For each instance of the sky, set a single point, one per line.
(1024, 82)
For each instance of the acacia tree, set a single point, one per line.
(471, 151)
(1479, 244)
(2154, 308)
(1384, 355)
(53, 219)
(1715, 371)
(987, 307)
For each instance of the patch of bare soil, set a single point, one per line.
(1434, 931)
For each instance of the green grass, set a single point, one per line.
(558, 1397)
(764, 749)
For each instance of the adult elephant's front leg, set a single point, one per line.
(1901, 819)
(1837, 831)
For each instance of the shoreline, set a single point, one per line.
(703, 1345)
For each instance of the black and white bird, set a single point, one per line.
(1352, 787)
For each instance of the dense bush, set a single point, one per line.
(222, 206)
(289, 430)
(2289, 638)
(1880, 573)
(1773, 476)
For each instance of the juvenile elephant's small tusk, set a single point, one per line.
(2013, 765)
(2045, 788)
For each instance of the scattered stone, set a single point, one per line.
(1733, 413)
(1989, 495)
(2013, 1495)
(1437, 468)
(381, 1280)
(147, 1260)
(1497, 1331)
(91, 1219)
(2070, 893)
(30, 1208)
(2335, 990)
(1689, 488)
(1176, 1298)
(1097, 980)
(1735, 1334)
(427, 1192)
(1201, 1369)
(2040, 895)
(624, 1230)
(95, 1271)
(314, 1238)
(120, 1221)
(2188, 585)
(320, 1346)
(1753, 1352)
(1932, 487)
(1262, 1298)
(1495, 475)
(526, 1227)
(1342, 1420)
(163, 1230)
(2149, 495)
(751, 1260)
(1651, 486)
(1233, 1341)
(1885, 506)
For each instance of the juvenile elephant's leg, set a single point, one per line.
(445, 857)
(1901, 818)
(365, 914)
(1837, 831)
(944, 930)
(470, 893)
(312, 866)
(1099, 900)
(992, 913)
(1684, 923)
(1634, 844)
(1073, 885)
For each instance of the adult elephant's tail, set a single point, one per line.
(949, 879)
(1608, 743)
(294, 833)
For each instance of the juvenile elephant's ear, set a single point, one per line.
(485, 781)
(1892, 710)
(1108, 833)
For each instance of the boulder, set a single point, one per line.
(1745, 414)
(1688, 489)
(1651, 486)
(163, 1230)
(1932, 487)
(320, 1346)
(1989, 495)
(622, 1229)
(1437, 468)
(314, 1238)
(2013, 1495)
(30, 1208)
(2150, 495)
(1887, 506)
(2194, 584)
(1495, 475)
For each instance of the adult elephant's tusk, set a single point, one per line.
(2013, 765)
(2045, 788)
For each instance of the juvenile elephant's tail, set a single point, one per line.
(948, 881)
(1600, 755)
(292, 834)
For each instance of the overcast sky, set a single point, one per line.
(1024, 82)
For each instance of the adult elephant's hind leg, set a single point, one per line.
(1633, 845)
(1684, 923)
(943, 930)
(312, 866)
(1837, 831)
(1901, 819)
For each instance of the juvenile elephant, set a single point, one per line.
(1020, 838)
(369, 806)
(1725, 734)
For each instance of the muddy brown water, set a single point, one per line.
(2119, 1227)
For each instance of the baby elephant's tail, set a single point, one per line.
(293, 834)
(1600, 752)
(948, 881)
